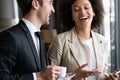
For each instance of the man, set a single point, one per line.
(19, 49)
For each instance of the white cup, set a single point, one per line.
(62, 71)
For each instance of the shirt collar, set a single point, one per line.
(30, 26)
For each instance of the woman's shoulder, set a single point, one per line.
(63, 35)
(99, 36)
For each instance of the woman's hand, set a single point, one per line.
(113, 75)
(82, 73)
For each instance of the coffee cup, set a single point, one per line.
(62, 71)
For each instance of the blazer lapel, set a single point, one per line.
(74, 44)
(98, 51)
(29, 38)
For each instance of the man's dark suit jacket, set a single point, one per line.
(18, 55)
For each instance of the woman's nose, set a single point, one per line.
(82, 12)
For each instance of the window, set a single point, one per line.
(112, 31)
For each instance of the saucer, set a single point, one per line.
(68, 77)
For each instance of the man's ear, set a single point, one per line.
(35, 4)
(93, 14)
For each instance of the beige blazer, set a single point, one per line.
(65, 50)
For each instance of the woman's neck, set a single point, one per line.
(85, 33)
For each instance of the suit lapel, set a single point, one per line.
(30, 40)
(33, 48)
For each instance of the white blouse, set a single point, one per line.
(89, 55)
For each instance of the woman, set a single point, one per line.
(83, 51)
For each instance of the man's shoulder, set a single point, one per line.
(14, 29)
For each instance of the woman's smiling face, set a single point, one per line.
(82, 13)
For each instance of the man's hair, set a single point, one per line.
(65, 13)
(26, 5)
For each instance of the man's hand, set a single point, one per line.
(49, 73)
